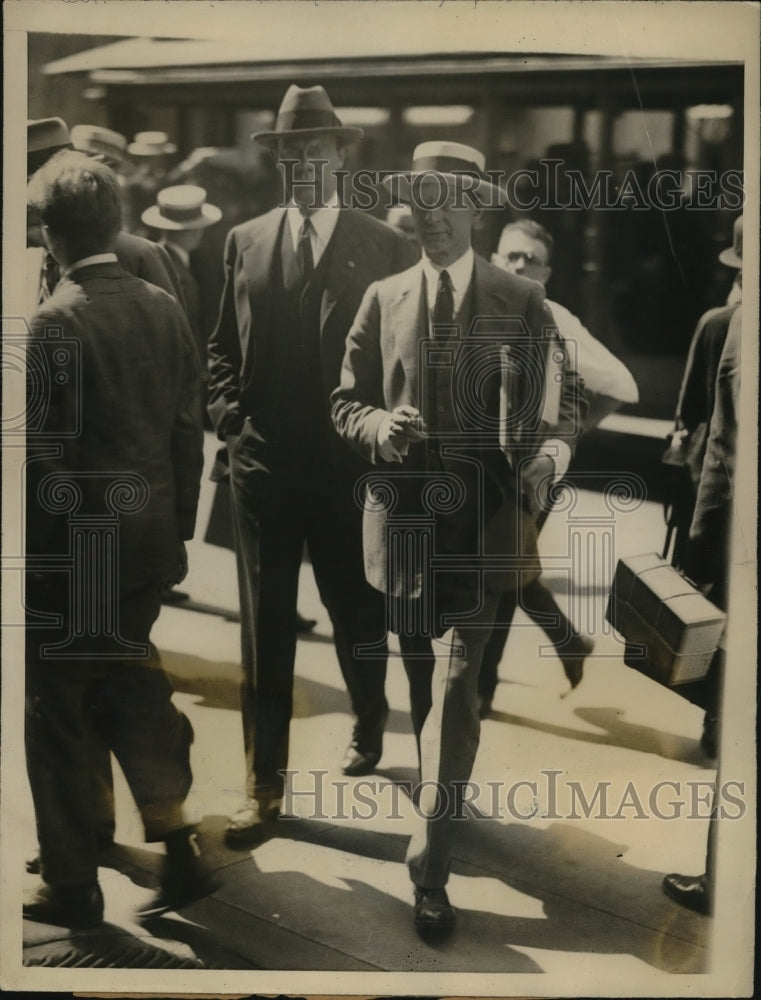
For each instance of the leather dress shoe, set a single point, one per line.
(254, 821)
(690, 891)
(183, 879)
(573, 662)
(365, 749)
(65, 906)
(433, 911)
(103, 842)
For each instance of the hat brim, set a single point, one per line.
(487, 195)
(152, 217)
(138, 149)
(347, 132)
(730, 258)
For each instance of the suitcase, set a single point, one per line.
(671, 630)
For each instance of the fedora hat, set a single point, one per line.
(44, 137)
(182, 206)
(305, 111)
(98, 141)
(151, 144)
(733, 256)
(452, 162)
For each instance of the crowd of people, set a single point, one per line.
(344, 351)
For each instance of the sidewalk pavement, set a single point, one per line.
(330, 891)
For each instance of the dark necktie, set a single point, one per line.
(443, 308)
(49, 277)
(304, 251)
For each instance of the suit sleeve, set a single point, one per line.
(357, 404)
(155, 267)
(224, 354)
(187, 435)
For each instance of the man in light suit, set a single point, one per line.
(294, 280)
(428, 357)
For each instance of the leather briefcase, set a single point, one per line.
(671, 630)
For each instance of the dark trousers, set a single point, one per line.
(274, 514)
(127, 705)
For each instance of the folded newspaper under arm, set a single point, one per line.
(511, 389)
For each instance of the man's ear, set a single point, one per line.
(478, 216)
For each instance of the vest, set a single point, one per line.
(300, 427)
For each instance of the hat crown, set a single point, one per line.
(92, 136)
(46, 133)
(448, 157)
(181, 197)
(152, 138)
(305, 109)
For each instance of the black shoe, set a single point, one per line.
(573, 662)
(66, 906)
(690, 891)
(304, 624)
(709, 741)
(184, 879)
(102, 842)
(365, 749)
(433, 911)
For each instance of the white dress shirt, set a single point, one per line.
(96, 258)
(460, 274)
(324, 222)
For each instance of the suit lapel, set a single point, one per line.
(344, 263)
(409, 322)
(258, 257)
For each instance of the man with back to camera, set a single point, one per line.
(525, 249)
(458, 487)
(294, 280)
(122, 438)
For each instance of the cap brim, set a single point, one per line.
(730, 258)
(152, 217)
(488, 195)
(270, 139)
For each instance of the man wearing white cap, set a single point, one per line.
(182, 214)
(430, 353)
(294, 280)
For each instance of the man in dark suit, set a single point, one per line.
(430, 353)
(294, 280)
(182, 215)
(114, 463)
(139, 256)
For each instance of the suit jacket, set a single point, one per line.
(189, 288)
(130, 405)
(380, 372)
(361, 251)
(139, 256)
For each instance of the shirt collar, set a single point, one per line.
(96, 258)
(324, 221)
(460, 273)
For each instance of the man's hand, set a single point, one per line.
(537, 478)
(396, 430)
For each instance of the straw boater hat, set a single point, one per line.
(44, 137)
(306, 111)
(454, 163)
(151, 144)
(98, 141)
(181, 207)
(733, 256)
